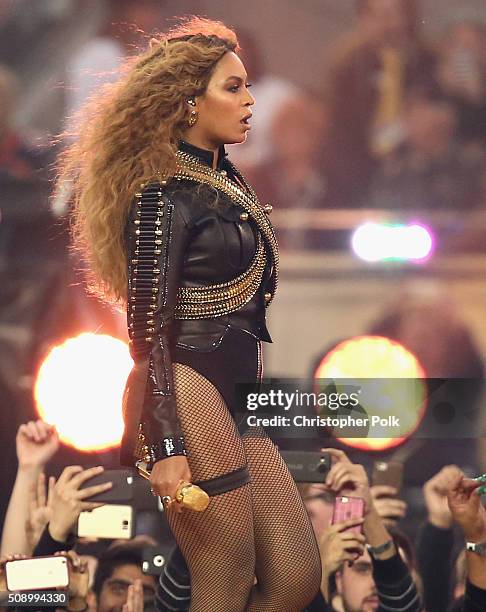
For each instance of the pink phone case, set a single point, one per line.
(346, 508)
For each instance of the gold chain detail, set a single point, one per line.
(223, 298)
(191, 169)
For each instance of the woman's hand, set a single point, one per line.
(346, 478)
(465, 505)
(167, 474)
(36, 443)
(69, 500)
(389, 508)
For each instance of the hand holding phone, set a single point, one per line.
(388, 473)
(347, 478)
(348, 509)
(78, 575)
(37, 573)
(109, 522)
(69, 500)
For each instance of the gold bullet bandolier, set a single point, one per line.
(149, 258)
(223, 298)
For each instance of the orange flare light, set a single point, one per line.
(383, 360)
(79, 389)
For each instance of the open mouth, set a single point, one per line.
(246, 120)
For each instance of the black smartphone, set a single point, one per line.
(121, 491)
(307, 466)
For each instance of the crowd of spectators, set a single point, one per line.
(368, 563)
(397, 123)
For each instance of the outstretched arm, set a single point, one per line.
(36, 443)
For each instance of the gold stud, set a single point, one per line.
(244, 216)
(268, 208)
(268, 297)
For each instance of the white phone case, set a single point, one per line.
(111, 522)
(38, 573)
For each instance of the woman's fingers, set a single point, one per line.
(78, 479)
(31, 431)
(378, 491)
(94, 490)
(354, 522)
(89, 506)
(68, 473)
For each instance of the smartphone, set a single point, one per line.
(110, 522)
(346, 508)
(121, 491)
(388, 473)
(307, 466)
(153, 559)
(38, 573)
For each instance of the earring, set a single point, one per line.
(193, 115)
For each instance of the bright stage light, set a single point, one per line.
(380, 242)
(79, 389)
(383, 361)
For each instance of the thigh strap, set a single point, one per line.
(227, 482)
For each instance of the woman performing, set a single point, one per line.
(169, 226)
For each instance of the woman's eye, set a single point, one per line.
(235, 88)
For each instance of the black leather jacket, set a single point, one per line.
(209, 242)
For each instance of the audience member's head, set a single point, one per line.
(356, 587)
(433, 330)
(118, 567)
(389, 21)
(298, 129)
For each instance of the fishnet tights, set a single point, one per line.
(260, 529)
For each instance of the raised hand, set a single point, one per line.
(388, 507)
(78, 575)
(466, 507)
(435, 495)
(348, 478)
(68, 500)
(36, 443)
(135, 600)
(40, 508)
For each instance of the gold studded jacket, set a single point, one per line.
(202, 258)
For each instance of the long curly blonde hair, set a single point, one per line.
(128, 136)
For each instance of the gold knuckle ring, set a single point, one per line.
(192, 497)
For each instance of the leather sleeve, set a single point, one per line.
(158, 235)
